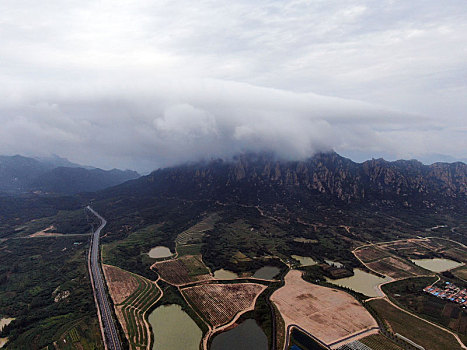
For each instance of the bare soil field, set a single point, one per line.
(47, 232)
(328, 314)
(183, 270)
(219, 303)
(121, 283)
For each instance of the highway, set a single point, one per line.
(108, 327)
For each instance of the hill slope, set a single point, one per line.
(20, 174)
(261, 179)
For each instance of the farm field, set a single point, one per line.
(220, 303)
(460, 272)
(408, 294)
(371, 253)
(383, 259)
(78, 337)
(418, 331)
(415, 248)
(328, 314)
(196, 233)
(133, 296)
(396, 268)
(379, 342)
(456, 253)
(183, 270)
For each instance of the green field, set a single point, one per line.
(131, 253)
(419, 331)
(80, 337)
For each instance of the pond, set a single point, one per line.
(3, 323)
(436, 264)
(267, 272)
(247, 336)
(173, 329)
(160, 252)
(304, 260)
(362, 282)
(225, 274)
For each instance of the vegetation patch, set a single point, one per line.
(130, 253)
(417, 330)
(31, 270)
(80, 336)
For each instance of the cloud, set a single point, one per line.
(147, 84)
(189, 120)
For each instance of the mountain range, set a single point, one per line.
(262, 179)
(20, 174)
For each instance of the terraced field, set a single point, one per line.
(183, 270)
(195, 233)
(220, 303)
(133, 296)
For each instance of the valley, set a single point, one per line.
(217, 262)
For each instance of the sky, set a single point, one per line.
(147, 84)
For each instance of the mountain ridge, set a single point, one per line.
(262, 179)
(19, 174)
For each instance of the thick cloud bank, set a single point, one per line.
(167, 123)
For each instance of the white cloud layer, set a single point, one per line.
(147, 84)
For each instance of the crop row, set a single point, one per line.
(134, 310)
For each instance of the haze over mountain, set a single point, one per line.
(22, 174)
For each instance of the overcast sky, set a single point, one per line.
(143, 84)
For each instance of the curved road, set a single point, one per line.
(108, 328)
